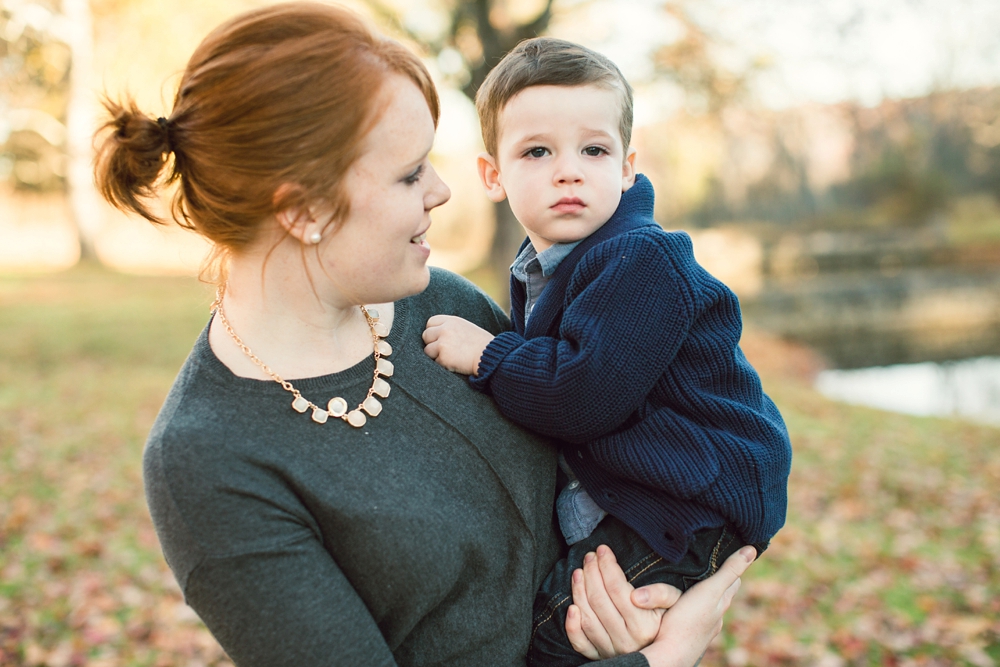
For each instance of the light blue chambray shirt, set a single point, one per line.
(577, 512)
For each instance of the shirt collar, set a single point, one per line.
(548, 260)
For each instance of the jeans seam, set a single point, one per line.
(648, 556)
(639, 573)
(552, 612)
(714, 561)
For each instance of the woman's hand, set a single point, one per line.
(694, 621)
(609, 617)
(604, 621)
(455, 343)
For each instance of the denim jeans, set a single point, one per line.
(550, 646)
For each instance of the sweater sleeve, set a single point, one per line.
(627, 311)
(288, 606)
(252, 566)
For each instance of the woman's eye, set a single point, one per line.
(537, 152)
(415, 176)
(594, 151)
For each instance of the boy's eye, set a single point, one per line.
(594, 151)
(537, 152)
(415, 176)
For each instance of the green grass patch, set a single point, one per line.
(891, 553)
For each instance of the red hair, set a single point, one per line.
(280, 95)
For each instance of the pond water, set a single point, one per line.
(968, 389)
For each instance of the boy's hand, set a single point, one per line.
(455, 343)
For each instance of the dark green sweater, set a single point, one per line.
(419, 539)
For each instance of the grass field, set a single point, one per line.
(891, 555)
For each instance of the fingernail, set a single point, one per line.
(641, 596)
(576, 575)
(589, 558)
(748, 554)
(602, 550)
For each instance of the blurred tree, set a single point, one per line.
(34, 89)
(45, 133)
(693, 62)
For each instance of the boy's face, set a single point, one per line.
(560, 161)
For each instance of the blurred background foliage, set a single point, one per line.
(850, 199)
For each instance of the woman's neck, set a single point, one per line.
(298, 328)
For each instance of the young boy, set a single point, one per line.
(623, 347)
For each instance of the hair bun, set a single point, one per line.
(131, 156)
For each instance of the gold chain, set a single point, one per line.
(337, 407)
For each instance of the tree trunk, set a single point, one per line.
(506, 241)
(84, 201)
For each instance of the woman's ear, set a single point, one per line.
(489, 174)
(299, 221)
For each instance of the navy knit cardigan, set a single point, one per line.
(631, 357)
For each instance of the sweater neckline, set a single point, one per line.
(359, 372)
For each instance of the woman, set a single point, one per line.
(325, 493)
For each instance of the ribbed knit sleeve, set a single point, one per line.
(627, 311)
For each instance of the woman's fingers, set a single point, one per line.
(696, 618)
(731, 571)
(592, 626)
(604, 607)
(577, 637)
(615, 583)
(656, 596)
(727, 597)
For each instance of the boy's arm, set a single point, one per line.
(617, 336)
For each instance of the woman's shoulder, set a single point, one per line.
(450, 294)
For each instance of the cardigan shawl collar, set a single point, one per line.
(635, 210)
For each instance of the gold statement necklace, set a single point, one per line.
(337, 407)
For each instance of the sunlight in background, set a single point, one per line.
(810, 52)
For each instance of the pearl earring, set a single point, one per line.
(315, 238)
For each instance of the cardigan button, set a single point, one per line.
(611, 497)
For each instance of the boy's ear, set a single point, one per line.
(628, 169)
(490, 176)
(300, 222)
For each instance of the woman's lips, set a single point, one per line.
(569, 205)
(420, 240)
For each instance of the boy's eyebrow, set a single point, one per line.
(544, 137)
(533, 137)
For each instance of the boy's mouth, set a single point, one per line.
(419, 238)
(568, 205)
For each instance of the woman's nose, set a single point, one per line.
(438, 193)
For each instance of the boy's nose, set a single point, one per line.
(568, 171)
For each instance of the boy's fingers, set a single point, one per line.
(432, 350)
(577, 639)
(656, 596)
(435, 320)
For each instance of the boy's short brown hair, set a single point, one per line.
(546, 61)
